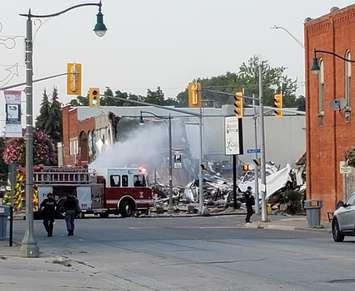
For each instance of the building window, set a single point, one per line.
(347, 81)
(73, 146)
(321, 89)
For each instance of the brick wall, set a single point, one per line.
(72, 128)
(329, 136)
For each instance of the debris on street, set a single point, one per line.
(285, 190)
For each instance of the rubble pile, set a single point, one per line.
(218, 191)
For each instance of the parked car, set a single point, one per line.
(343, 223)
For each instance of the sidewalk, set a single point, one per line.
(287, 223)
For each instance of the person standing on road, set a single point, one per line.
(249, 202)
(48, 209)
(71, 209)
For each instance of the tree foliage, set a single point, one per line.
(50, 120)
(42, 118)
(110, 98)
(54, 124)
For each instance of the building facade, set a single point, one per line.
(83, 139)
(330, 124)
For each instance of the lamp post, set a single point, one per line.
(29, 246)
(315, 64)
(276, 27)
(141, 121)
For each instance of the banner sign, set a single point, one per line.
(233, 137)
(13, 113)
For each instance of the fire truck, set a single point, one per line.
(123, 191)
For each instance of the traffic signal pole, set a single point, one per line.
(263, 167)
(257, 196)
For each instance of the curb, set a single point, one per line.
(285, 227)
(193, 215)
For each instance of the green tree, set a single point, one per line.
(53, 125)
(44, 112)
(155, 97)
(80, 101)
(272, 77)
(110, 99)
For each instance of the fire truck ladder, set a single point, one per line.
(61, 177)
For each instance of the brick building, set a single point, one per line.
(330, 133)
(84, 136)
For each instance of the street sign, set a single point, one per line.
(177, 160)
(344, 168)
(231, 135)
(253, 151)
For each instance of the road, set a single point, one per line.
(198, 253)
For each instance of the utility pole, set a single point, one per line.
(234, 181)
(170, 206)
(200, 174)
(29, 247)
(257, 207)
(263, 168)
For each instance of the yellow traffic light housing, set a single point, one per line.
(278, 105)
(74, 79)
(239, 104)
(246, 167)
(94, 97)
(194, 94)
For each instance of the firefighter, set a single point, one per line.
(249, 202)
(48, 209)
(71, 209)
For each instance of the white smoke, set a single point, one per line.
(144, 146)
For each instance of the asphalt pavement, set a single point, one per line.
(185, 253)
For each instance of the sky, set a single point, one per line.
(164, 43)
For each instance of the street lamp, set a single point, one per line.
(277, 27)
(29, 246)
(141, 122)
(315, 64)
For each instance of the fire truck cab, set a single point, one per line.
(121, 191)
(125, 190)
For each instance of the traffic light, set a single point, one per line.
(246, 167)
(74, 79)
(278, 105)
(194, 94)
(238, 104)
(94, 97)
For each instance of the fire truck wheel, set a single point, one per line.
(127, 208)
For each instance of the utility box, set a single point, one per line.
(4, 214)
(313, 212)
